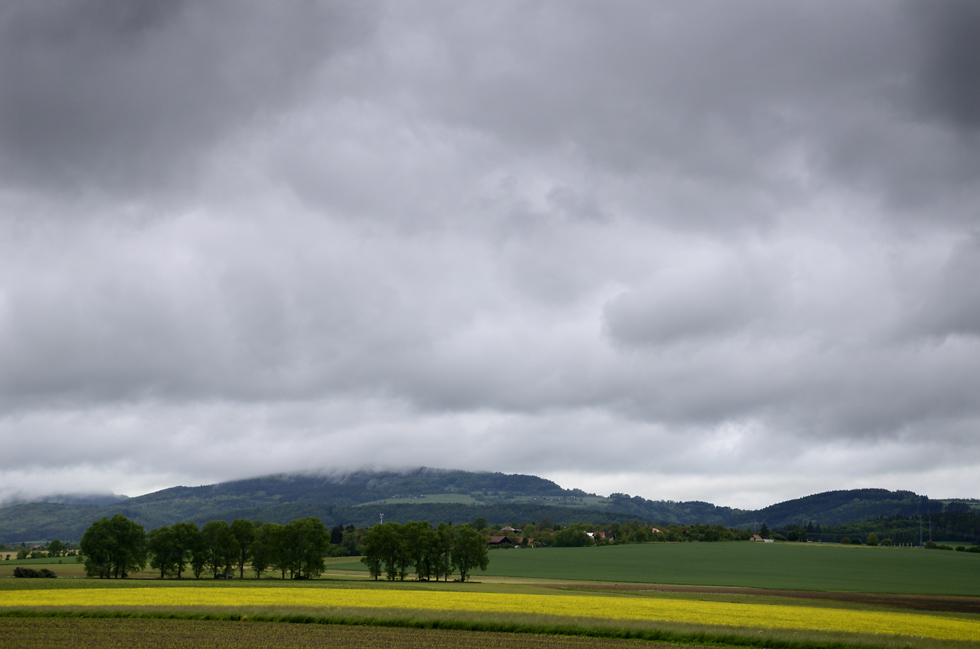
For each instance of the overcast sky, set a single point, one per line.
(688, 250)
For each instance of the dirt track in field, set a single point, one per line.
(950, 604)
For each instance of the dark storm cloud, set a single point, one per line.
(949, 85)
(126, 96)
(726, 100)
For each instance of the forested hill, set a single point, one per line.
(849, 506)
(365, 486)
(437, 495)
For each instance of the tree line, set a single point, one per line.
(547, 533)
(958, 526)
(117, 547)
(434, 553)
(53, 549)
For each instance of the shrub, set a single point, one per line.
(572, 538)
(846, 540)
(30, 573)
(887, 542)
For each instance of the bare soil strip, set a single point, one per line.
(948, 603)
(87, 633)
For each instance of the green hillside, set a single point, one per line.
(337, 499)
(441, 495)
(842, 507)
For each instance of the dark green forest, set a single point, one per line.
(945, 527)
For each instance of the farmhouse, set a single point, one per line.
(503, 541)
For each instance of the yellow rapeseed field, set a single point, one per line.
(591, 606)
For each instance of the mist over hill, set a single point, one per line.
(360, 497)
(97, 499)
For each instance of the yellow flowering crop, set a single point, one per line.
(591, 606)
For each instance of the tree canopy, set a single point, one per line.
(391, 548)
(114, 547)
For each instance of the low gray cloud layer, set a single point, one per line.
(691, 250)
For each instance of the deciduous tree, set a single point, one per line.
(441, 551)
(163, 550)
(312, 540)
(187, 540)
(244, 533)
(469, 552)
(114, 547)
(222, 548)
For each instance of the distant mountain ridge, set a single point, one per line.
(436, 495)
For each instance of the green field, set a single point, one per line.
(785, 566)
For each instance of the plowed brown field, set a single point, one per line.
(939, 603)
(86, 633)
